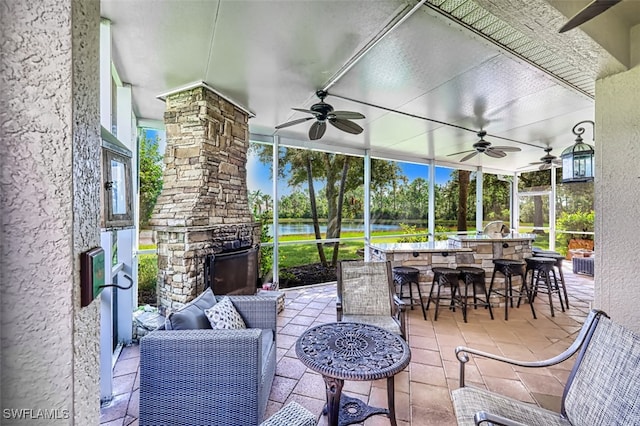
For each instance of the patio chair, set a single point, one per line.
(366, 294)
(207, 376)
(603, 387)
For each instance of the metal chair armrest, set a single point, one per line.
(401, 304)
(400, 316)
(462, 352)
(482, 417)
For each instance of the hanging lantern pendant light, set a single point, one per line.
(577, 160)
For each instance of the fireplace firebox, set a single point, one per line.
(232, 272)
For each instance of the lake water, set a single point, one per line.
(307, 228)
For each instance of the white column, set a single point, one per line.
(127, 238)
(432, 200)
(552, 211)
(106, 326)
(479, 206)
(515, 204)
(367, 201)
(126, 134)
(276, 237)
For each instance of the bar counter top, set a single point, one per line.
(434, 246)
(493, 237)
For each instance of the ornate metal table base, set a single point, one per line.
(353, 410)
(352, 351)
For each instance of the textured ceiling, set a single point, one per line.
(484, 64)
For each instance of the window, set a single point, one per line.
(116, 172)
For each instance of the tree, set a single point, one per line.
(341, 174)
(385, 176)
(463, 193)
(417, 198)
(255, 199)
(150, 177)
(496, 195)
(534, 180)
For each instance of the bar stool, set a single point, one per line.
(509, 268)
(542, 270)
(443, 277)
(558, 258)
(474, 277)
(407, 275)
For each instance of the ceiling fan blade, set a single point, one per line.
(495, 153)
(349, 115)
(294, 122)
(545, 167)
(557, 162)
(506, 148)
(469, 156)
(308, 111)
(346, 125)
(592, 10)
(317, 129)
(461, 152)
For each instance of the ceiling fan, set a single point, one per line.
(593, 9)
(484, 147)
(547, 160)
(322, 112)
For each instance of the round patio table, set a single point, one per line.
(353, 351)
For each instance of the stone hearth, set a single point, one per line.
(203, 207)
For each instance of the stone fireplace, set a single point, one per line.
(203, 208)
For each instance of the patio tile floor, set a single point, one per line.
(423, 389)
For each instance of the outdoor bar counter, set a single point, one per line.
(458, 250)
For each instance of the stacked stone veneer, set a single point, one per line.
(477, 253)
(203, 207)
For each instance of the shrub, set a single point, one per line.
(147, 278)
(412, 229)
(422, 237)
(266, 252)
(440, 233)
(579, 221)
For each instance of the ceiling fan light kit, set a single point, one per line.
(547, 161)
(577, 160)
(323, 113)
(484, 147)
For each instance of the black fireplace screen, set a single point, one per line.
(234, 272)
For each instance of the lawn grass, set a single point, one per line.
(306, 253)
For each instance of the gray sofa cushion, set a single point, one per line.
(192, 316)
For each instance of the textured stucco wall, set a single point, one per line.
(617, 191)
(49, 210)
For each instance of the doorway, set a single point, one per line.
(534, 218)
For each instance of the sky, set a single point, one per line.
(259, 175)
(152, 134)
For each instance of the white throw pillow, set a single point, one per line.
(224, 316)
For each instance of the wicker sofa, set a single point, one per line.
(603, 387)
(209, 377)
